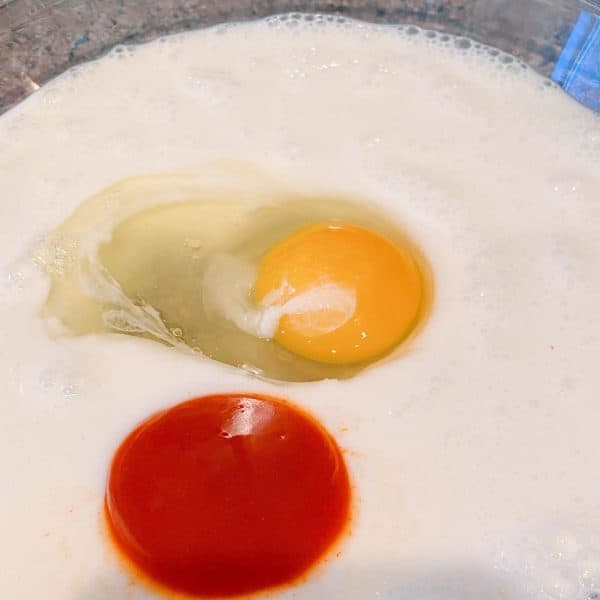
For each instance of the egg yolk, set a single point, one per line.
(346, 293)
(227, 494)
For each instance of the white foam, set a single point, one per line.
(473, 445)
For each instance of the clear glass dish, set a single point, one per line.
(41, 38)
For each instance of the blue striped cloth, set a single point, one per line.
(578, 67)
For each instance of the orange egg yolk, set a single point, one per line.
(226, 495)
(348, 293)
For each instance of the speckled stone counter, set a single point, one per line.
(41, 38)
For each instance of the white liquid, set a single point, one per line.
(475, 456)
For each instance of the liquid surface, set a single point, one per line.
(226, 495)
(474, 456)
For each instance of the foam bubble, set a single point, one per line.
(462, 43)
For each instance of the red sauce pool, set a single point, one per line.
(227, 494)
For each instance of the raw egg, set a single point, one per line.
(288, 287)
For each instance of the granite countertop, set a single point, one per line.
(41, 38)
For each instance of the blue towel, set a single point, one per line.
(578, 67)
